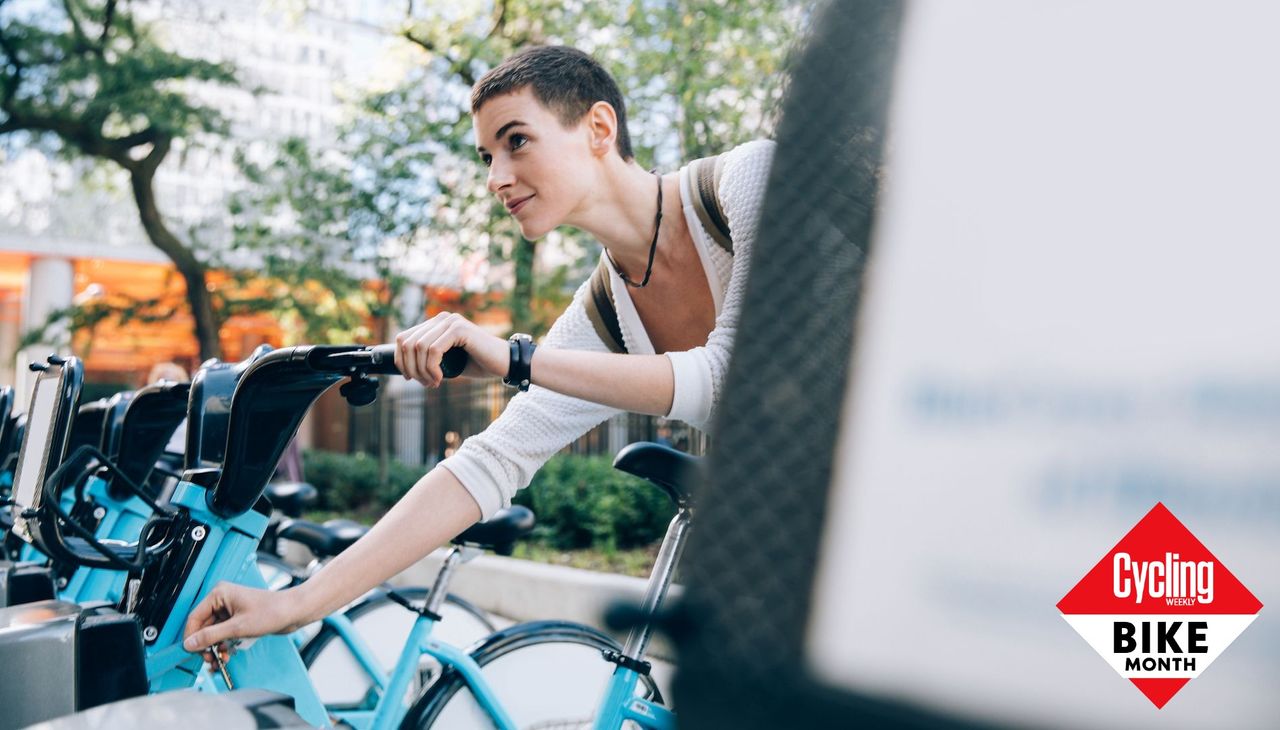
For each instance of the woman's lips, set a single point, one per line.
(519, 204)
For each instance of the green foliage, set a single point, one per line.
(349, 485)
(88, 73)
(85, 317)
(706, 71)
(87, 79)
(699, 77)
(302, 219)
(580, 501)
(706, 74)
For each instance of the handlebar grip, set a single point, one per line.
(383, 358)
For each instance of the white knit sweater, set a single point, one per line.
(495, 463)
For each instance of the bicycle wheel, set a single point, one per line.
(546, 674)
(336, 674)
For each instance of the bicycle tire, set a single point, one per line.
(336, 674)
(447, 703)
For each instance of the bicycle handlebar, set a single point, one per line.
(380, 360)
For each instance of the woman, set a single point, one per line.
(550, 124)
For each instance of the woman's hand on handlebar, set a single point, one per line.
(420, 348)
(233, 611)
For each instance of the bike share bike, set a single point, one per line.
(118, 441)
(211, 398)
(209, 533)
(131, 429)
(19, 582)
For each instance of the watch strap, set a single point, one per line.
(519, 367)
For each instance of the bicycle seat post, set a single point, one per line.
(659, 581)
(435, 599)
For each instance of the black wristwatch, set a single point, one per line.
(520, 365)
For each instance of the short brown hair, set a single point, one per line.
(564, 80)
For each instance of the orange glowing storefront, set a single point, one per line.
(122, 355)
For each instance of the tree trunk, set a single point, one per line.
(522, 295)
(192, 270)
(385, 404)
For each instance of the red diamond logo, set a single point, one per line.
(1159, 608)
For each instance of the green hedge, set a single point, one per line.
(348, 484)
(580, 501)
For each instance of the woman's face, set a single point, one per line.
(538, 169)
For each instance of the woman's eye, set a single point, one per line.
(486, 159)
(517, 141)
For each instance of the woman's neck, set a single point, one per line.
(621, 214)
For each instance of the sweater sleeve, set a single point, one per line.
(493, 464)
(699, 373)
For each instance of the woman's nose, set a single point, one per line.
(499, 177)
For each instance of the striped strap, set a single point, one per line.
(705, 173)
(601, 312)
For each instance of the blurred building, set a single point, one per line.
(69, 231)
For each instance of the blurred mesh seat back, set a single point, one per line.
(963, 191)
(756, 534)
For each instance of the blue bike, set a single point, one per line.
(210, 529)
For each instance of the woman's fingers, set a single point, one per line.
(449, 336)
(234, 612)
(200, 617)
(211, 635)
(421, 348)
(212, 617)
(406, 359)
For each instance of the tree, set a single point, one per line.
(699, 78)
(90, 78)
(302, 247)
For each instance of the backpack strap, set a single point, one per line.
(705, 175)
(601, 312)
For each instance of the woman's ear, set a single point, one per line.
(602, 126)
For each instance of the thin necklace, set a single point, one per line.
(653, 246)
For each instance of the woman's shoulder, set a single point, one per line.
(743, 176)
(749, 158)
(757, 152)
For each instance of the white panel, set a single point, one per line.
(1071, 313)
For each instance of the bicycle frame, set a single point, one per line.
(121, 520)
(391, 706)
(271, 662)
(619, 703)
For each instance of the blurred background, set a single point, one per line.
(181, 181)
